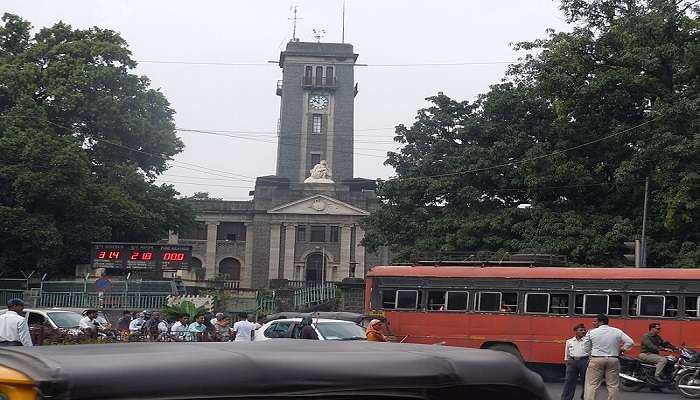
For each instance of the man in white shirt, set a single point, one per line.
(576, 359)
(243, 330)
(89, 323)
(136, 324)
(605, 344)
(179, 330)
(14, 330)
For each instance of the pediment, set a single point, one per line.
(318, 205)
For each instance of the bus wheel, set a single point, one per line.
(507, 348)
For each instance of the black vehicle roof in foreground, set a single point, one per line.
(272, 369)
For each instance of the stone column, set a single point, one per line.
(210, 265)
(274, 251)
(290, 231)
(247, 272)
(359, 252)
(345, 243)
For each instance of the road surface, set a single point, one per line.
(555, 389)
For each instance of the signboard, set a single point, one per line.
(141, 256)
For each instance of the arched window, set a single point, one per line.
(230, 268)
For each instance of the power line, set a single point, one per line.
(208, 185)
(292, 145)
(273, 63)
(467, 171)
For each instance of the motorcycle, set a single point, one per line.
(688, 374)
(635, 374)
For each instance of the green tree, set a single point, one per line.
(572, 132)
(81, 142)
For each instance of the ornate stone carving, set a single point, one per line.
(320, 173)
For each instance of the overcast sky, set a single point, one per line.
(242, 99)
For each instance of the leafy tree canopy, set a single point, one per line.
(81, 141)
(553, 158)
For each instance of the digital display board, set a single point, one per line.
(141, 256)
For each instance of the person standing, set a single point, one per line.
(651, 345)
(576, 355)
(14, 330)
(307, 329)
(375, 331)
(605, 344)
(244, 329)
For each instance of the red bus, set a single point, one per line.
(530, 312)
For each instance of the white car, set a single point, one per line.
(56, 318)
(326, 329)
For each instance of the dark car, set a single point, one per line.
(274, 369)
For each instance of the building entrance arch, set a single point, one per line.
(313, 271)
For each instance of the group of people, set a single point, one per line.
(594, 356)
(219, 328)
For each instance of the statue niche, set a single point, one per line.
(320, 173)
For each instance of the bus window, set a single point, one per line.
(437, 300)
(614, 304)
(389, 299)
(559, 304)
(536, 302)
(650, 306)
(497, 301)
(489, 301)
(457, 301)
(595, 304)
(692, 304)
(407, 299)
(509, 302)
(671, 307)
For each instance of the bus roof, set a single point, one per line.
(536, 272)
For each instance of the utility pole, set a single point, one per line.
(343, 33)
(643, 256)
(295, 19)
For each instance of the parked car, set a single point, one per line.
(326, 329)
(56, 318)
(302, 369)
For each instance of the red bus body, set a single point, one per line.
(537, 337)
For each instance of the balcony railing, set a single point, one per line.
(319, 82)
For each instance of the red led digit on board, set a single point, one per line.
(134, 255)
(113, 255)
(170, 256)
(146, 256)
(101, 255)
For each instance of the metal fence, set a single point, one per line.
(135, 300)
(7, 294)
(265, 304)
(314, 295)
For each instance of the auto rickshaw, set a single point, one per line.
(275, 369)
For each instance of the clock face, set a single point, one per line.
(318, 102)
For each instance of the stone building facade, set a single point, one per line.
(303, 223)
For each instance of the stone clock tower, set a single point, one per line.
(316, 113)
(303, 225)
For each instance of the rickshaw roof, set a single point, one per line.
(282, 367)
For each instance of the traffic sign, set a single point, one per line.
(103, 284)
